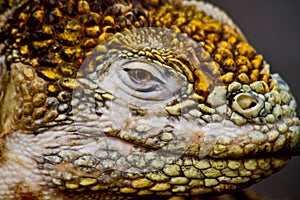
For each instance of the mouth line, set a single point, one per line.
(284, 153)
(184, 151)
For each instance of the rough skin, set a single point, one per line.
(128, 99)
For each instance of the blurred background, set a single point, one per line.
(273, 28)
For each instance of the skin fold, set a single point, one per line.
(135, 100)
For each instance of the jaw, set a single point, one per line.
(69, 162)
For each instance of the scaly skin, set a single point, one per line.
(135, 99)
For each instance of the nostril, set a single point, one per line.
(247, 104)
(246, 101)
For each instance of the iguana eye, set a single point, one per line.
(140, 75)
(143, 76)
(143, 80)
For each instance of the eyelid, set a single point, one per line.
(144, 66)
(164, 85)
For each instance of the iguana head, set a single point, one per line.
(131, 99)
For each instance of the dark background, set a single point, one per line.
(273, 28)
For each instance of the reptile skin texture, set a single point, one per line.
(129, 99)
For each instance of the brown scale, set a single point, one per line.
(55, 37)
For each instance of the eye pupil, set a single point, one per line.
(140, 75)
(143, 75)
